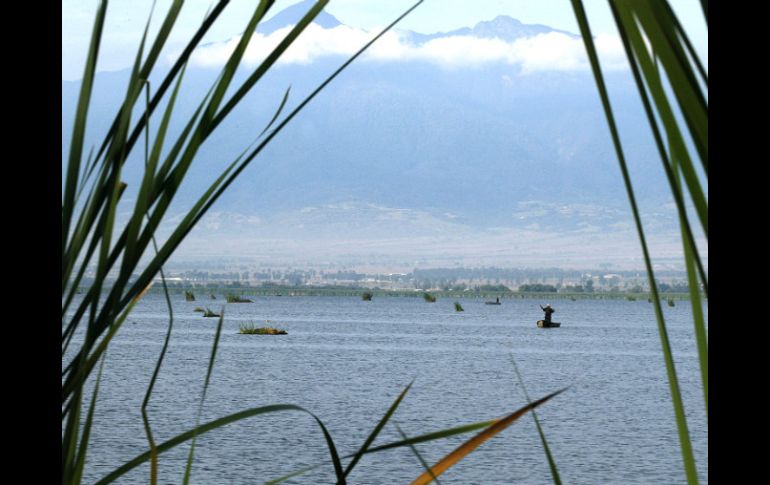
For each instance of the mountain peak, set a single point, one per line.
(509, 28)
(501, 27)
(293, 14)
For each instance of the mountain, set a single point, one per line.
(293, 14)
(501, 27)
(414, 159)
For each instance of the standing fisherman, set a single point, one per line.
(548, 311)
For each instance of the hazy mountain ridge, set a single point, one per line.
(408, 149)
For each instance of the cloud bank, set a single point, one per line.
(552, 51)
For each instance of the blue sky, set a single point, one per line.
(125, 21)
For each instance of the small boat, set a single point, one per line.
(544, 324)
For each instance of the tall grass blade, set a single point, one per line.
(463, 450)
(210, 426)
(149, 167)
(78, 132)
(296, 110)
(684, 439)
(266, 64)
(81, 460)
(437, 435)
(170, 76)
(549, 456)
(214, 347)
(373, 435)
(682, 79)
(631, 36)
(701, 338)
(277, 112)
(417, 454)
(75, 380)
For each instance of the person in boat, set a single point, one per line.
(548, 311)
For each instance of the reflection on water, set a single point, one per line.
(346, 360)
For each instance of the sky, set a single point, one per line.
(126, 21)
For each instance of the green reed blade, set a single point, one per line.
(214, 347)
(437, 435)
(417, 454)
(373, 435)
(549, 456)
(684, 440)
(469, 446)
(623, 18)
(269, 61)
(78, 132)
(278, 111)
(701, 338)
(81, 460)
(210, 426)
(181, 61)
(682, 80)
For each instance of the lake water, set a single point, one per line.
(346, 360)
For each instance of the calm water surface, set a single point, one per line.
(346, 360)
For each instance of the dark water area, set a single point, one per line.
(346, 360)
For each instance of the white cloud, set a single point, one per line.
(545, 52)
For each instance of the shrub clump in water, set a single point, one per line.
(429, 298)
(367, 296)
(188, 296)
(251, 329)
(209, 313)
(237, 299)
(458, 307)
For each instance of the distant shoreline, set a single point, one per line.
(204, 293)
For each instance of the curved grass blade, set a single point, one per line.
(377, 429)
(81, 460)
(626, 26)
(416, 453)
(265, 65)
(149, 167)
(180, 62)
(549, 456)
(683, 81)
(212, 425)
(216, 190)
(214, 347)
(278, 111)
(463, 450)
(690, 49)
(78, 132)
(437, 435)
(684, 439)
(75, 380)
(701, 339)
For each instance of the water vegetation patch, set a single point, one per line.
(428, 297)
(199, 309)
(458, 307)
(252, 329)
(367, 296)
(189, 296)
(208, 313)
(237, 299)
